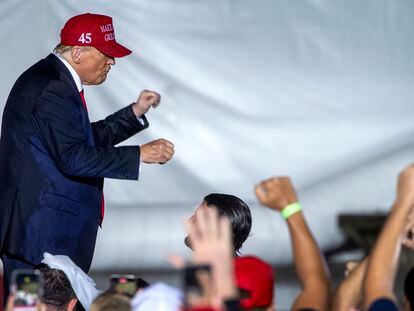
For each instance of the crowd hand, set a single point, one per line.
(157, 151)
(146, 100)
(10, 304)
(210, 237)
(212, 244)
(276, 193)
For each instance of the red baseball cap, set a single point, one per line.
(255, 276)
(93, 30)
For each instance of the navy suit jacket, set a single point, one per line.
(52, 165)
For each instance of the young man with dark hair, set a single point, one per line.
(236, 210)
(58, 294)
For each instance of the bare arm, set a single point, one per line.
(383, 262)
(276, 193)
(348, 295)
(310, 266)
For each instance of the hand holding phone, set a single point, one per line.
(124, 284)
(197, 286)
(26, 288)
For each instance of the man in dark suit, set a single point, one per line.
(53, 159)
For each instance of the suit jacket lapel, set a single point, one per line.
(67, 77)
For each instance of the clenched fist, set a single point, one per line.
(276, 192)
(146, 100)
(157, 151)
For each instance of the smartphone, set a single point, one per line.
(123, 284)
(197, 286)
(27, 288)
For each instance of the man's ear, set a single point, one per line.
(72, 304)
(75, 54)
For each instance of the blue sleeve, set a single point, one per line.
(63, 132)
(383, 304)
(117, 127)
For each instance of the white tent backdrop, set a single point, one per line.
(318, 90)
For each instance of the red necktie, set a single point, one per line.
(82, 95)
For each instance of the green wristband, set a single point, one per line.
(291, 209)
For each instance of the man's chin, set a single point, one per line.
(187, 242)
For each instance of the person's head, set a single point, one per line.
(58, 294)
(237, 211)
(111, 301)
(255, 281)
(87, 42)
(158, 296)
(409, 290)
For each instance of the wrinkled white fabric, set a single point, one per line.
(84, 287)
(157, 297)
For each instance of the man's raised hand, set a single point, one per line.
(276, 192)
(146, 100)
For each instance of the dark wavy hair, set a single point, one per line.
(238, 213)
(57, 290)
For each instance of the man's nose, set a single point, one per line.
(111, 61)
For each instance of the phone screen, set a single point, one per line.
(26, 288)
(124, 284)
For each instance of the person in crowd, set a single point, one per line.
(53, 160)
(158, 296)
(278, 194)
(383, 261)
(58, 294)
(368, 285)
(255, 281)
(211, 239)
(57, 291)
(235, 209)
(111, 301)
(348, 294)
(83, 286)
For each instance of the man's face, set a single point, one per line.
(94, 66)
(192, 219)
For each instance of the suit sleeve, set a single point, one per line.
(58, 121)
(117, 127)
